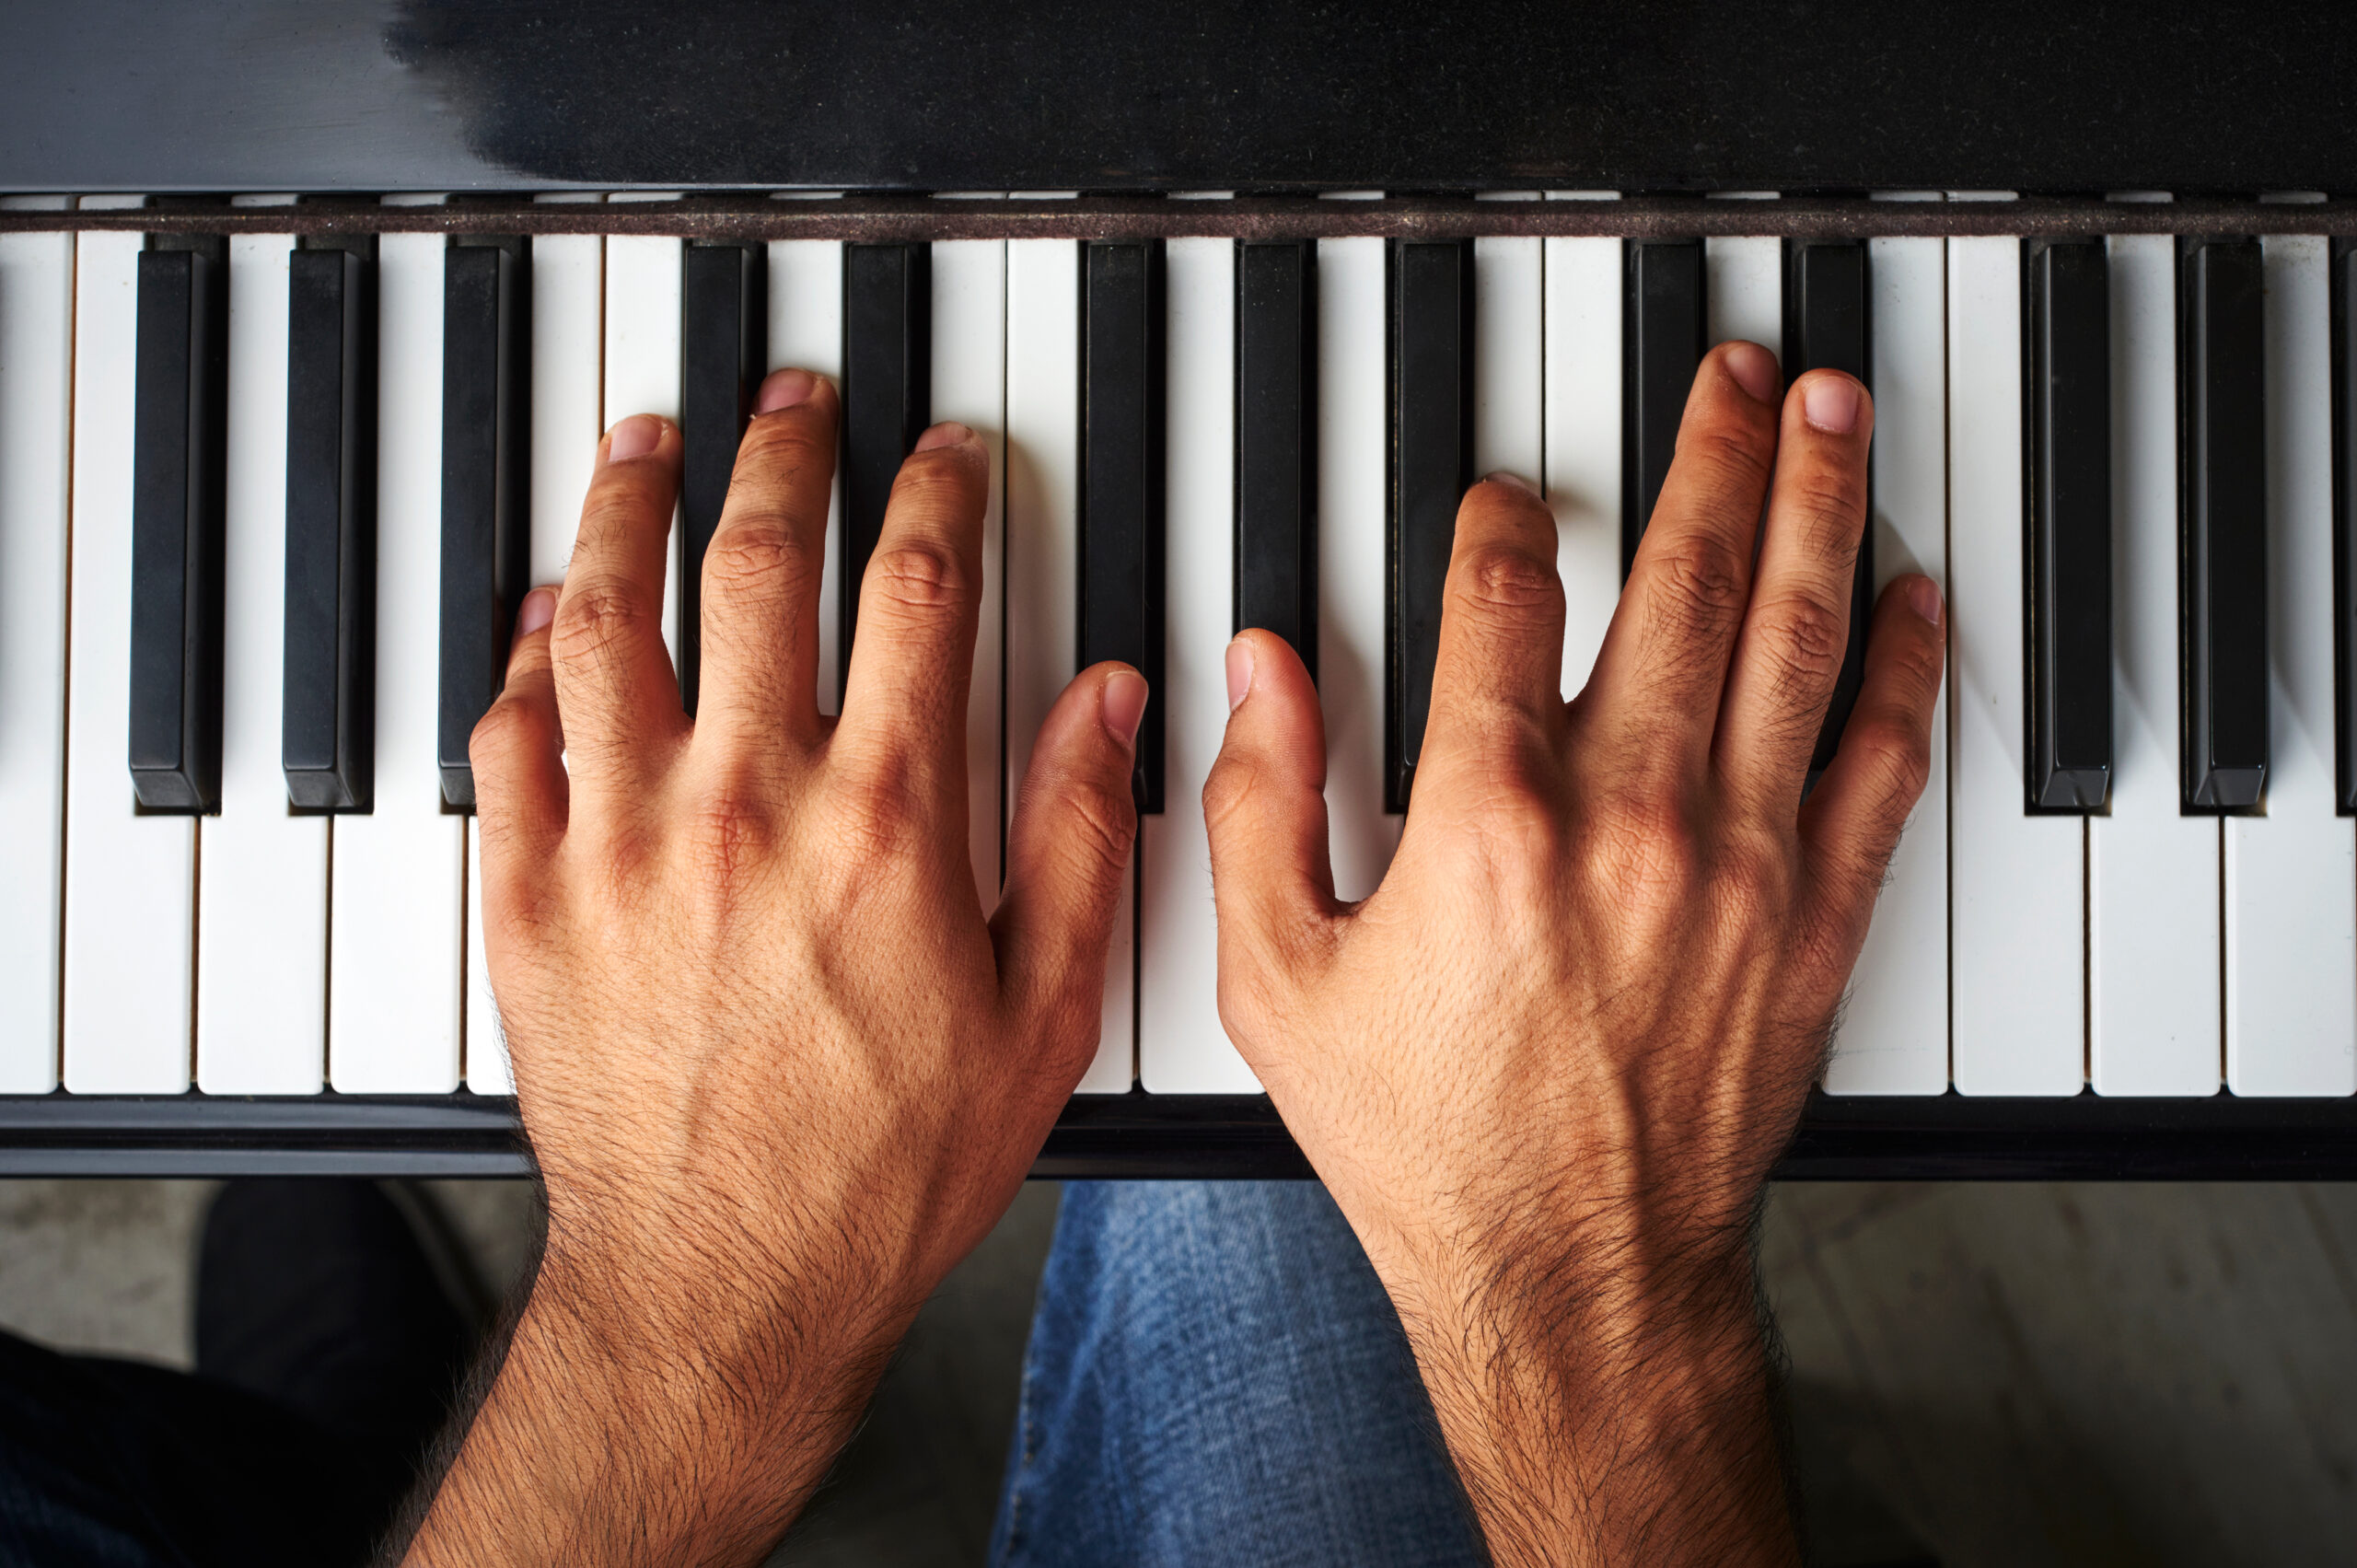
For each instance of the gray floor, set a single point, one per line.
(1980, 1374)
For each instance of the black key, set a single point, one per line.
(2344, 520)
(2066, 576)
(887, 394)
(2222, 521)
(1826, 326)
(1122, 431)
(327, 722)
(179, 464)
(1431, 465)
(725, 338)
(486, 483)
(1276, 442)
(1661, 327)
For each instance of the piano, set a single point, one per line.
(311, 318)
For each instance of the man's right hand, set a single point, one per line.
(1546, 1067)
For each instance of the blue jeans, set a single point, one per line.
(1214, 1377)
(1217, 1377)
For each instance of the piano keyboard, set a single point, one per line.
(267, 502)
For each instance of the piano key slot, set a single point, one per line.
(1662, 335)
(723, 335)
(1828, 326)
(888, 396)
(1276, 442)
(1121, 479)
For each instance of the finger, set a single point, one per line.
(1264, 804)
(1796, 632)
(1657, 677)
(1851, 823)
(1067, 851)
(912, 655)
(518, 752)
(758, 613)
(614, 682)
(1498, 671)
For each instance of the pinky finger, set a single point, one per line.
(522, 793)
(1852, 820)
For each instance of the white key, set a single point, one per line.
(1743, 286)
(1894, 1036)
(643, 362)
(568, 407)
(1182, 1047)
(261, 961)
(2017, 910)
(1509, 358)
(1354, 567)
(1042, 565)
(2292, 874)
(1583, 408)
(2152, 871)
(807, 333)
(395, 978)
(36, 385)
(970, 386)
(129, 880)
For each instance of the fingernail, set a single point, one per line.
(1239, 673)
(1516, 479)
(1121, 702)
(1831, 404)
(784, 389)
(1754, 370)
(949, 433)
(1924, 599)
(633, 437)
(537, 610)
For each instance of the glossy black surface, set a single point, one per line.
(1121, 502)
(1431, 465)
(725, 346)
(327, 709)
(2066, 565)
(2222, 522)
(1137, 1136)
(180, 466)
(1662, 330)
(1055, 94)
(486, 484)
(1276, 442)
(888, 396)
(1828, 326)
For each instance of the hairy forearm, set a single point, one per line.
(617, 1431)
(1602, 1409)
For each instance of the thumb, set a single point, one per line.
(1265, 806)
(1067, 851)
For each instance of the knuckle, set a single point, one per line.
(918, 579)
(757, 560)
(1645, 853)
(1729, 459)
(1507, 581)
(503, 732)
(1805, 638)
(1705, 585)
(727, 835)
(595, 617)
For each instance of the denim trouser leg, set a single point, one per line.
(1217, 1377)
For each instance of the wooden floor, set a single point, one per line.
(1997, 1375)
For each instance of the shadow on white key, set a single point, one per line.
(807, 333)
(263, 900)
(1042, 566)
(643, 363)
(2017, 881)
(970, 386)
(394, 995)
(129, 880)
(1743, 285)
(568, 405)
(1354, 475)
(1182, 1046)
(2152, 871)
(1894, 1036)
(2292, 874)
(1583, 441)
(36, 390)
